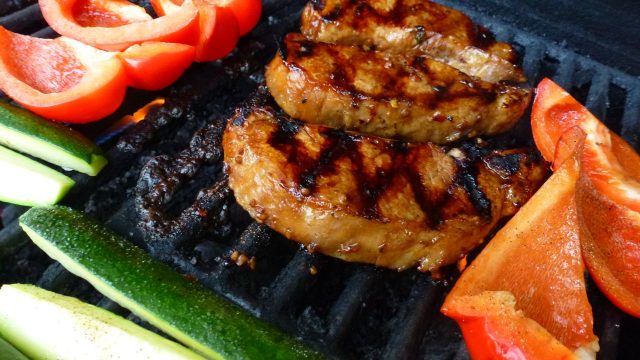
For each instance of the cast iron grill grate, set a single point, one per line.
(347, 310)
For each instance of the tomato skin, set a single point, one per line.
(180, 26)
(154, 66)
(98, 93)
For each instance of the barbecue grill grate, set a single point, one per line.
(347, 310)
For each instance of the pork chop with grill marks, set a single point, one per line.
(407, 97)
(403, 26)
(372, 200)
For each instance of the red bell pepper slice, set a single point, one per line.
(219, 32)
(607, 196)
(156, 65)
(610, 227)
(116, 25)
(246, 12)
(554, 113)
(60, 79)
(524, 297)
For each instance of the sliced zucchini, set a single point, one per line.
(27, 182)
(52, 142)
(8, 352)
(46, 325)
(185, 310)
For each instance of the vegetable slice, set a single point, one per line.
(555, 112)
(156, 65)
(8, 352)
(247, 12)
(60, 79)
(524, 296)
(610, 234)
(46, 325)
(27, 182)
(218, 27)
(185, 310)
(117, 25)
(607, 195)
(57, 144)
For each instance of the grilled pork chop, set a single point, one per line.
(407, 97)
(403, 26)
(372, 200)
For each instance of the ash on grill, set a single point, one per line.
(193, 224)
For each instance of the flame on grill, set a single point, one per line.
(128, 120)
(137, 116)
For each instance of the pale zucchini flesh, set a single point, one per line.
(24, 181)
(46, 325)
(52, 142)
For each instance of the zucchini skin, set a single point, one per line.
(185, 310)
(14, 120)
(8, 352)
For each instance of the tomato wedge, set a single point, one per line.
(156, 65)
(218, 27)
(116, 25)
(524, 297)
(607, 195)
(60, 79)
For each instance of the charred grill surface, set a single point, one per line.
(162, 177)
(408, 97)
(369, 199)
(402, 26)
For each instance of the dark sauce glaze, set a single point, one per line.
(435, 203)
(360, 14)
(392, 72)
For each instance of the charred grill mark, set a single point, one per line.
(434, 203)
(283, 138)
(329, 14)
(341, 76)
(505, 166)
(428, 207)
(339, 145)
(482, 37)
(283, 51)
(510, 164)
(318, 5)
(306, 48)
(258, 100)
(359, 14)
(467, 177)
(336, 146)
(468, 180)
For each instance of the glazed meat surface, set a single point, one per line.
(407, 97)
(372, 200)
(403, 26)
